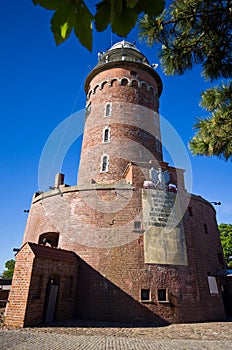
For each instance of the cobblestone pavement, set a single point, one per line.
(82, 335)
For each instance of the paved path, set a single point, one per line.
(79, 335)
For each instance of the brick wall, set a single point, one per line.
(133, 131)
(18, 298)
(35, 267)
(100, 219)
(113, 252)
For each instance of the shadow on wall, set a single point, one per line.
(62, 286)
(100, 300)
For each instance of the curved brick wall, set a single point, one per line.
(134, 101)
(85, 231)
(107, 220)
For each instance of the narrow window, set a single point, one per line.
(106, 135)
(87, 110)
(206, 228)
(162, 294)
(190, 210)
(105, 163)
(158, 147)
(108, 109)
(156, 118)
(145, 295)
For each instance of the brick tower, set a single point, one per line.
(122, 122)
(128, 243)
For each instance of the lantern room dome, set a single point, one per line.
(124, 44)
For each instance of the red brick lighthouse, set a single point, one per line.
(123, 93)
(128, 243)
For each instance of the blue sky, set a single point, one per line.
(42, 84)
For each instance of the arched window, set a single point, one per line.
(108, 109)
(105, 163)
(106, 135)
(144, 86)
(50, 238)
(158, 145)
(156, 118)
(134, 83)
(124, 82)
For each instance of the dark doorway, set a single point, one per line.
(51, 299)
(226, 300)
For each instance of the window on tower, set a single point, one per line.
(106, 135)
(158, 145)
(156, 118)
(88, 110)
(206, 229)
(108, 109)
(105, 163)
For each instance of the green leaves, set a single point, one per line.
(103, 15)
(48, 4)
(83, 25)
(122, 18)
(71, 15)
(199, 32)
(61, 24)
(214, 135)
(225, 231)
(9, 265)
(193, 32)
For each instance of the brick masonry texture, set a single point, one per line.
(131, 124)
(97, 262)
(35, 264)
(109, 280)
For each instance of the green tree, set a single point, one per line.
(189, 31)
(199, 32)
(214, 136)
(71, 15)
(225, 231)
(9, 265)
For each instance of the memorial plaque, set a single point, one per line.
(164, 239)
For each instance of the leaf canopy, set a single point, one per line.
(121, 15)
(214, 135)
(8, 273)
(225, 231)
(199, 32)
(193, 32)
